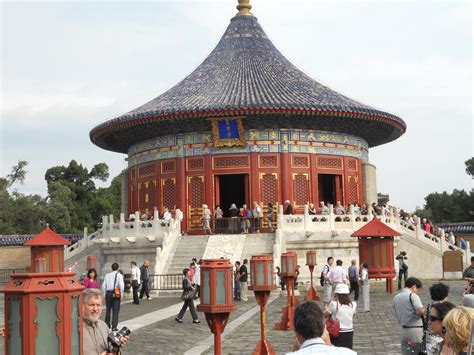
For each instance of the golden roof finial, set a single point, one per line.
(244, 8)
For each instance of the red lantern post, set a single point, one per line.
(43, 309)
(217, 296)
(289, 264)
(91, 262)
(312, 294)
(262, 284)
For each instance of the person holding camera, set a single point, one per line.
(96, 336)
(402, 269)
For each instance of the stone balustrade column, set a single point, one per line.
(137, 223)
(85, 237)
(467, 252)
(418, 231)
(352, 216)
(306, 217)
(105, 225)
(280, 218)
(331, 216)
(122, 218)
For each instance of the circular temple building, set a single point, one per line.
(247, 125)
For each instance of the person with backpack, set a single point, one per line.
(402, 269)
(324, 281)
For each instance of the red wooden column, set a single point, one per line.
(181, 189)
(313, 177)
(208, 191)
(285, 178)
(254, 180)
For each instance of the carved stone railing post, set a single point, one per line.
(331, 216)
(280, 218)
(306, 218)
(137, 223)
(352, 216)
(85, 237)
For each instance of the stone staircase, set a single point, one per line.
(189, 247)
(256, 244)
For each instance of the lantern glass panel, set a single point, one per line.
(290, 264)
(270, 273)
(260, 274)
(46, 319)
(47, 256)
(58, 261)
(231, 293)
(205, 287)
(377, 254)
(75, 340)
(220, 289)
(283, 264)
(14, 339)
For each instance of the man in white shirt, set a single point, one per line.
(311, 334)
(337, 274)
(112, 280)
(135, 281)
(451, 238)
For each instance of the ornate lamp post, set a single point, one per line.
(91, 262)
(289, 265)
(261, 267)
(217, 296)
(43, 308)
(312, 294)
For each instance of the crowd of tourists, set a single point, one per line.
(431, 228)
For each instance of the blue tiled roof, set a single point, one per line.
(246, 75)
(458, 228)
(20, 239)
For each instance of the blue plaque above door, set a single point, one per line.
(228, 132)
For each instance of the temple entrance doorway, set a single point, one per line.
(231, 188)
(330, 188)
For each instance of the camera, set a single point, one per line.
(114, 338)
(403, 253)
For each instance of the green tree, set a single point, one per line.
(18, 173)
(72, 188)
(470, 167)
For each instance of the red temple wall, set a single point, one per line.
(188, 182)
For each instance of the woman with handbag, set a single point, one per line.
(340, 314)
(189, 289)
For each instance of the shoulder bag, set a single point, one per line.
(333, 325)
(117, 295)
(189, 293)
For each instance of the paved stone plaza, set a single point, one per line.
(156, 332)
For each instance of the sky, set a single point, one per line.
(67, 66)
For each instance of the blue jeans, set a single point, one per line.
(237, 290)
